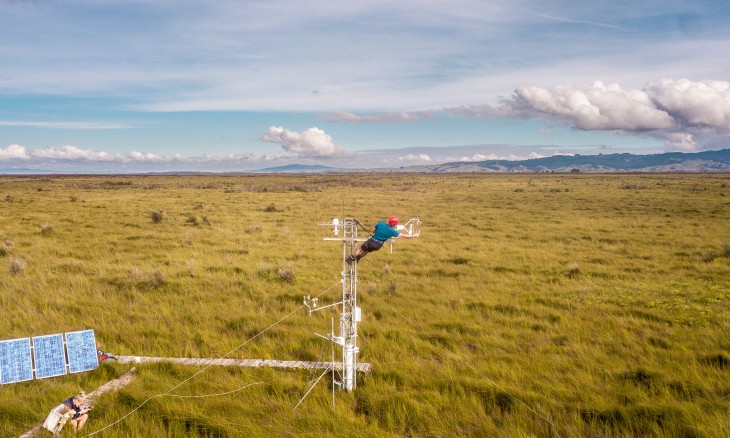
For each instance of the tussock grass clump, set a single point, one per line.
(391, 290)
(46, 230)
(286, 274)
(190, 265)
(141, 280)
(628, 186)
(638, 420)
(196, 221)
(5, 249)
(641, 377)
(572, 270)
(265, 269)
(709, 255)
(271, 208)
(272, 272)
(156, 216)
(156, 279)
(659, 343)
(17, 265)
(252, 229)
(459, 261)
(719, 360)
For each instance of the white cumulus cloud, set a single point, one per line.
(147, 157)
(74, 153)
(681, 141)
(704, 103)
(312, 143)
(479, 157)
(14, 152)
(415, 157)
(595, 107)
(687, 115)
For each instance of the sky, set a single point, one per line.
(112, 86)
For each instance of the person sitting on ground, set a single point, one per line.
(381, 233)
(72, 411)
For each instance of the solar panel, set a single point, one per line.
(15, 361)
(50, 358)
(81, 347)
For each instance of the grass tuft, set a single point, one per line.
(572, 270)
(719, 360)
(709, 255)
(253, 229)
(286, 274)
(459, 261)
(17, 265)
(156, 216)
(658, 342)
(642, 378)
(46, 230)
(141, 280)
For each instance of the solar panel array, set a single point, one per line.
(47, 353)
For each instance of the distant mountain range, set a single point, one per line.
(299, 168)
(708, 161)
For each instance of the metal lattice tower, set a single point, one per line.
(350, 313)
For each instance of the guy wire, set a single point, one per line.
(167, 393)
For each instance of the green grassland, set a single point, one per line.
(538, 305)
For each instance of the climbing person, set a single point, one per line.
(381, 233)
(71, 411)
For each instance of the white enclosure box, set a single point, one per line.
(357, 314)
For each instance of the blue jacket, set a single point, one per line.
(384, 232)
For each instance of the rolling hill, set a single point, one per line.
(708, 161)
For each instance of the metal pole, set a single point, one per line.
(333, 367)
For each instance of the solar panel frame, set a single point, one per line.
(81, 349)
(16, 364)
(49, 356)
